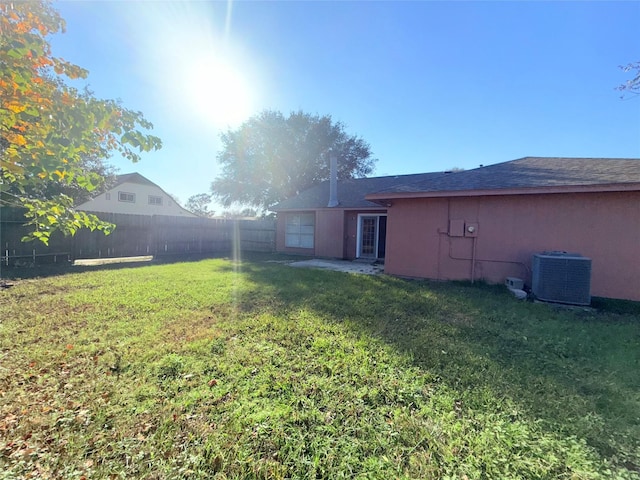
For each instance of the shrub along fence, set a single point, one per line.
(136, 235)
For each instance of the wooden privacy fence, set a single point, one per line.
(137, 235)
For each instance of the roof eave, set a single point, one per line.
(616, 187)
(339, 207)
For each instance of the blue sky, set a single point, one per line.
(430, 85)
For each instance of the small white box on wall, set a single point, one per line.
(514, 283)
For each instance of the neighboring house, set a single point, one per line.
(135, 194)
(484, 223)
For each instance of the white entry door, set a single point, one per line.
(372, 232)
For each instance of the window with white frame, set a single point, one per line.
(155, 200)
(299, 230)
(127, 197)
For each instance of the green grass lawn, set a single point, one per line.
(222, 369)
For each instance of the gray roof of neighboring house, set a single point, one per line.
(351, 192)
(134, 177)
(530, 172)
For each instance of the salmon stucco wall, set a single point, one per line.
(329, 233)
(335, 233)
(429, 238)
(281, 223)
(351, 230)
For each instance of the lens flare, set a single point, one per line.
(216, 91)
(190, 58)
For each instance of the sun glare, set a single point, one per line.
(188, 53)
(217, 92)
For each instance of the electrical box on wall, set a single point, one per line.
(470, 229)
(456, 228)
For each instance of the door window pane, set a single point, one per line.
(368, 239)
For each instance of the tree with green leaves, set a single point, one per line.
(106, 175)
(272, 157)
(199, 204)
(50, 132)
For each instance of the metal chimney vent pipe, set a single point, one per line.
(333, 180)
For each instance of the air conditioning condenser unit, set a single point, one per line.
(561, 277)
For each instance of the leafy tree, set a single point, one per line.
(633, 85)
(240, 213)
(50, 188)
(50, 131)
(272, 157)
(199, 204)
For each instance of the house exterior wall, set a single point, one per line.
(330, 233)
(335, 233)
(281, 222)
(109, 202)
(510, 229)
(351, 230)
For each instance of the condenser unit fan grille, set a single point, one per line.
(562, 277)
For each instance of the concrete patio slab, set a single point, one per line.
(109, 260)
(341, 266)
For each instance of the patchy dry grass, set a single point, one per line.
(216, 369)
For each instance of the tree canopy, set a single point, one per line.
(272, 157)
(51, 132)
(88, 166)
(199, 204)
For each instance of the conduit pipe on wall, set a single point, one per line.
(474, 258)
(438, 256)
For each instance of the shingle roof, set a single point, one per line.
(524, 173)
(351, 192)
(134, 177)
(530, 172)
